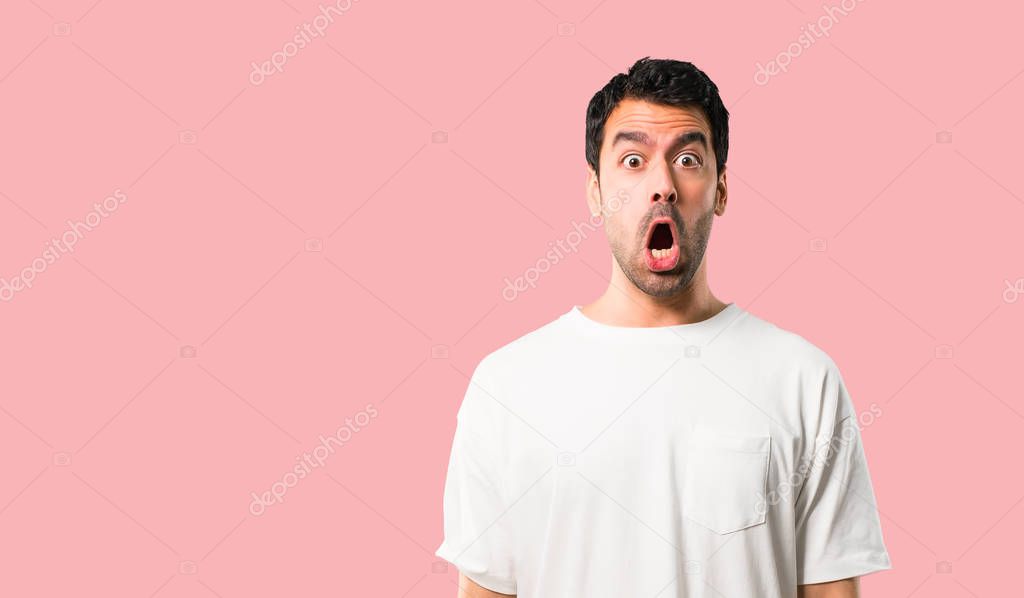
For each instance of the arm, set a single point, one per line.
(844, 588)
(479, 533)
(469, 589)
(838, 532)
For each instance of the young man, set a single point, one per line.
(659, 442)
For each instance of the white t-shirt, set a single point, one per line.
(718, 458)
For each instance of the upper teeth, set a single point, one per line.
(660, 253)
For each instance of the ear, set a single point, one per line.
(593, 192)
(721, 194)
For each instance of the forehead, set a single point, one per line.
(655, 119)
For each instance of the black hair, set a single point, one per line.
(659, 81)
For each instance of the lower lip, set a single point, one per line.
(661, 264)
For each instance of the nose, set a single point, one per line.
(669, 195)
(662, 187)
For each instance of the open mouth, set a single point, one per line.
(662, 250)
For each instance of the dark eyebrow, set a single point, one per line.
(634, 136)
(690, 137)
(682, 139)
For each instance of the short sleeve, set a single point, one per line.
(476, 526)
(838, 532)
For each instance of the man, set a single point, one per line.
(659, 442)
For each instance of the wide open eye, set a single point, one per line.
(633, 161)
(689, 160)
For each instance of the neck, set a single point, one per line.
(623, 304)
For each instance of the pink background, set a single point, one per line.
(291, 252)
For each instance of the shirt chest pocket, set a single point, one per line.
(725, 482)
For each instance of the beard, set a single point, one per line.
(692, 245)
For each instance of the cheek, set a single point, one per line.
(623, 225)
(698, 189)
(614, 226)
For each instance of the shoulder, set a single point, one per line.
(488, 396)
(808, 379)
(782, 346)
(538, 345)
